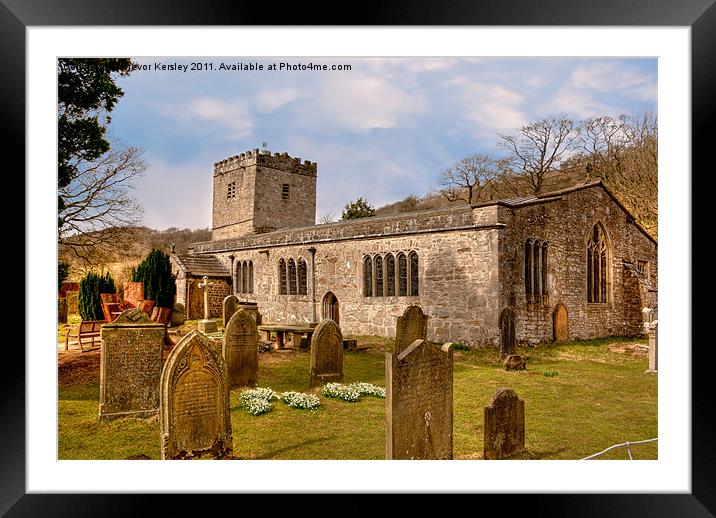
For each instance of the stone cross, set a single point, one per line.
(205, 286)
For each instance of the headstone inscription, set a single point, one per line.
(411, 326)
(241, 350)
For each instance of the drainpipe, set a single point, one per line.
(313, 283)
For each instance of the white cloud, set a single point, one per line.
(231, 120)
(271, 100)
(489, 108)
(362, 102)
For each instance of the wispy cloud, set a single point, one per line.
(230, 120)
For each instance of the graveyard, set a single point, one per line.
(577, 398)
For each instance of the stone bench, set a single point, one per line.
(296, 331)
(87, 329)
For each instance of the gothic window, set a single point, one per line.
(544, 269)
(250, 276)
(390, 275)
(378, 276)
(414, 288)
(535, 270)
(367, 277)
(302, 277)
(292, 277)
(402, 275)
(237, 278)
(528, 270)
(597, 251)
(244, 277)
(282, 286)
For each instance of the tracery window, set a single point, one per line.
(414, 276)
(292, 288)
(282, 284)
(597, 252)
(302, 277)
(536, 252)
(378, 275)
(402, 275)
(367, 277)
(390, 275)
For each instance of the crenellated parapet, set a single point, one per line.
(264, 158)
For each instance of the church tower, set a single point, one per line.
(257, 192)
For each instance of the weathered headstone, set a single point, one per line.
(130, 366)
(418, 406)
(560, 323)
(515, 362)
(411, 326)
(653, 334)
(241, 350)
(504, 425)
(206, 325)
(178, 314)
(507, 332)
(195, 421)
(133, 293)
(253, 309)
(326, 353)
(229, 306)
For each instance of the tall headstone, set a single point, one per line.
(206, 325)
(504, 425)
(195, 421)
(326, 353)
(411, 326)
(130, 366)
(241, 350)
(229, 306)
(507, 332)
(418, 406)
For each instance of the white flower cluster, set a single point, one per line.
(258, 401)
(353, 391)
(301, 400)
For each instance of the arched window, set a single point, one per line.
(251, 277)
(528, 270)
(367, 277)
(237, 278)
(390, 275)
(597, 250)
(537, 271)
(544, 269)
(292, 277)
(244, 277)
(282, 277)
(402, 275)
(378, 276)
(414, 288)
(302, 277)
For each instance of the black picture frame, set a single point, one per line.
(16, 15)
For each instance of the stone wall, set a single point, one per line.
(566, 225)
(259, 203)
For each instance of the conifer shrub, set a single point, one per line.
(89, 303)
(155, 271)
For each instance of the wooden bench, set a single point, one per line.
(87, 329)
(296, 331)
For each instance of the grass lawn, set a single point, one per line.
(598, 397)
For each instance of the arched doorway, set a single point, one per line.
(330, 307)
(560, 323)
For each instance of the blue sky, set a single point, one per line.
(383, 130)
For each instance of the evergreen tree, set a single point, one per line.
(358, 209)
(155, 271)
(89, 302)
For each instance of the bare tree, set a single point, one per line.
(623, 153)
(98, 206)
(328, 217)
(472, 179)
(538, 148)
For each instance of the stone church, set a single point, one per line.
(562, 265)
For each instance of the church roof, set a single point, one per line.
(201, 265)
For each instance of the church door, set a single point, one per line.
(330, 308)
(561, 323)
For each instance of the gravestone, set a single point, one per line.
(195, 420)
(560, 323)
(253, 309)
(229, 307)
(133, 293)
(130, 366)
(418, 406)
(178, 314)
(653, 334)
(515, 362)
(504, 425)
(411, 326)
(241, 350)
(507, 332)
(326, 353)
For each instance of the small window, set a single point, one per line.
(231, 190)
(284, 192)
(643, 267)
